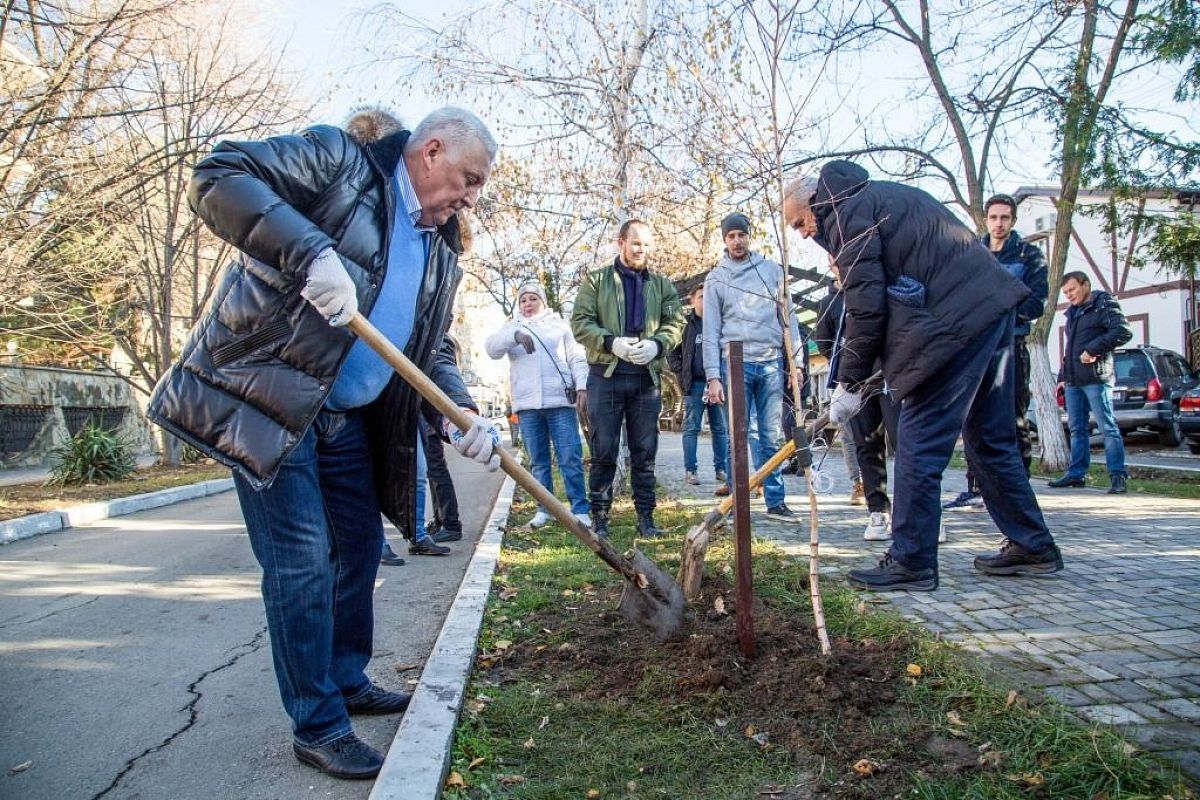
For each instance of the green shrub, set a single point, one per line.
(94, 455)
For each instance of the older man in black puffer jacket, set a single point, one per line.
(319, 432)
(923, 293)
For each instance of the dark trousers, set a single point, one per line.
(441, 486)
(972, 394)
(872, 428)
(631, 398)
(1021, 395)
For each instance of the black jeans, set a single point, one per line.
(441, 486)
(631, 398)
(872, 428)
(1021, 395)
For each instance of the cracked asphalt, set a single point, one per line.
(136, 662)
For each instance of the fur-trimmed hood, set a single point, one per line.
(369, 125)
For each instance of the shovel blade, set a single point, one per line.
(655, 602)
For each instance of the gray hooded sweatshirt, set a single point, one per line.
(740, 303)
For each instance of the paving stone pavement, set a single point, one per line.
(1115, 635)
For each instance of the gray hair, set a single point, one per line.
(455, 126)
(801, 189)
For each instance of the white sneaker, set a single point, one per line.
(540, 520)
(691, 479)
(879, 528)
(942, 534)
(585, 518)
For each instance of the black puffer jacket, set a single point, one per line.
(680, 359)
(879, 231)
(257, 367)
(1099, 327)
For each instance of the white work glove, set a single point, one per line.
(843, 405)
(479, 442)
(329, 289)
(622, 347)
(643, 352)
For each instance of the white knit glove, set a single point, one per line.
(643, 352)
(843, 405)
(329, 289)
(622, 347)
(478, 442)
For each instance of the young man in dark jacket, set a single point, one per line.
(319, 432)
(923, 294)
(1025, 262)
(687, 362)
(628, 318)
(1095, 327)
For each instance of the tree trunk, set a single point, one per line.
(1055, 453)
(170, 449)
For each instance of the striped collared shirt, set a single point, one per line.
(408, 197)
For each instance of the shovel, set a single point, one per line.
(651, 597)
(695, 544)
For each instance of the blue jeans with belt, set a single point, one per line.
(764, 406)
(317, 532)
(973, 394)
(1096, 397)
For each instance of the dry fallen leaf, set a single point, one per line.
(568, 592)
(593, 794)
(914, 670)
(955, 720)
(1011, 699)
(1030, 779)
(750, 731)
(529, 745)
(501, 645)
(407, 667)
(24, 765)
(866, 767)
(990, 759)
(511, 780)
(719, 606)
(455, 781)
(631, 787)
(475, 762)
(509, 593)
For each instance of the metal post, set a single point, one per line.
(741, 500)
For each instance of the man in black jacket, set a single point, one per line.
(687, 362)
(923, 294)
(1095, 327)
(319, 432)
(1025, 262)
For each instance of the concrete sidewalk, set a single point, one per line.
(1116, 635)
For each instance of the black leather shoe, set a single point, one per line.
(1118, 485)
(427, 547)
(1066, 483)
(891, 576)
(446, 535)
(646, 528)
(600, 523)
(348, 757)
(1016, 560)
(389, 557)
(379, 701)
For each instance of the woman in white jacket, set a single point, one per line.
(544, 362)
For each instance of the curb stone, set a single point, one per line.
(14, 530)
(418, 760)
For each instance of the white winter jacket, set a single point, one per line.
(536, 379)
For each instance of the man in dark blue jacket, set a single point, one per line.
(1095, 327)
(1025, 262)
(923, 294)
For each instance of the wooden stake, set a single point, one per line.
(736, 398)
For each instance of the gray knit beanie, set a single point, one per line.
(737, 221)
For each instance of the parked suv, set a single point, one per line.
(1150, 383)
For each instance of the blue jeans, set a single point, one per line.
(694, 409)
(422, 484)
(764, 406)
(1096, 397)
(317, 533)
(972, 394)
(558, 426)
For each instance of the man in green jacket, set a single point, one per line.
(628, 318)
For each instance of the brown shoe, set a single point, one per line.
(857, 496)
(722, 490)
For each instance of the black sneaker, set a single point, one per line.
(446, 534)
(347, 757)
(646, 528)
(427, 547)
(1066, 482)
(600, 522)
(1118, 485)
(966, 499)
(1016, 560)
(389, 557)
(892, 576)
(783, 513)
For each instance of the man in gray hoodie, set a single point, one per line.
(741, 304)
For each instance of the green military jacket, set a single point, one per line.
(600, 312)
